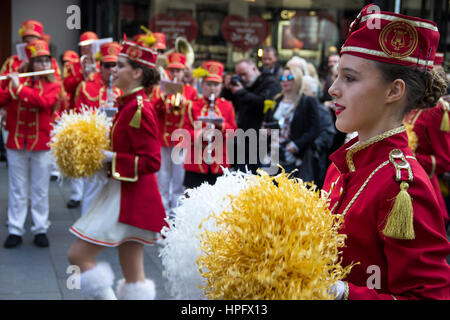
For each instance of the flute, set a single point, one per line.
(31, 74)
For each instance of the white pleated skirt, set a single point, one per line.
(100, 224)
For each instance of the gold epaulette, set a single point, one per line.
(399, 223)
(136, 120)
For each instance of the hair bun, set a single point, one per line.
(435, 88)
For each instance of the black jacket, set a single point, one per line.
(249, 102)
(305, 125)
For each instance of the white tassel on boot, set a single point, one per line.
(97, 282)
(136, 291)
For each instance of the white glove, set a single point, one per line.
(338, 290)
(108, 156)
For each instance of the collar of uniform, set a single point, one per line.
(129, 95)
(353, 154)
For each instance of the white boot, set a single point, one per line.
(136, 291)
(97, 282)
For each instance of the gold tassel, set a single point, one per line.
(445, 126)
(400, 221)
(136, 121)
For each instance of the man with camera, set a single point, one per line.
(250, 88)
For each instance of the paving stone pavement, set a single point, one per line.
(31, 273)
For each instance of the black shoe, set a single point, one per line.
(73, 204)
(41, 240)
(12, 241)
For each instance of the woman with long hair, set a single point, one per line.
(296, 115)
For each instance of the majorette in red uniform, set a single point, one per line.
(401, 249)
(94, 94)
(73, 73)
(199, 170)
(171, 110)
(30, 104)
(129, 207)
(31, 30)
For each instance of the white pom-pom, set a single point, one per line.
(181, 246)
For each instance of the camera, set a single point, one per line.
(235, 80)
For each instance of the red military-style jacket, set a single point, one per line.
(200, 108)
(433, 145)
(93, 94)
(29, 112)
(171, 118)
(73, 77)
(13, 63)
(137, 157)
(361, 185)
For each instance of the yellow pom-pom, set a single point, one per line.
(199, 73)
(78, 141)
(277, 241)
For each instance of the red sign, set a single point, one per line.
(244, 33)
(174, 26)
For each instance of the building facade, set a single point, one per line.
(224, 30)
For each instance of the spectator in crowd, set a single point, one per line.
(250, 89)
(270, 62)
(297, 117)
(333, 60)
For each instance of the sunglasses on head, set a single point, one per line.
(287, 78)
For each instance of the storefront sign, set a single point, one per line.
(244, 33)
(174, 26)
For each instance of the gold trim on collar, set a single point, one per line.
(130, 93)
(360, 146)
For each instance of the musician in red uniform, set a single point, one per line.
(171, 110)
(95, 94)
(31, 30)
(30, 104)
(391, 215)
(212, 156)
(128, 212)
(75, 72)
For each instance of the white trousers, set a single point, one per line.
(170, 180)
(29, 178)
(92, 187)
(76, 189)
